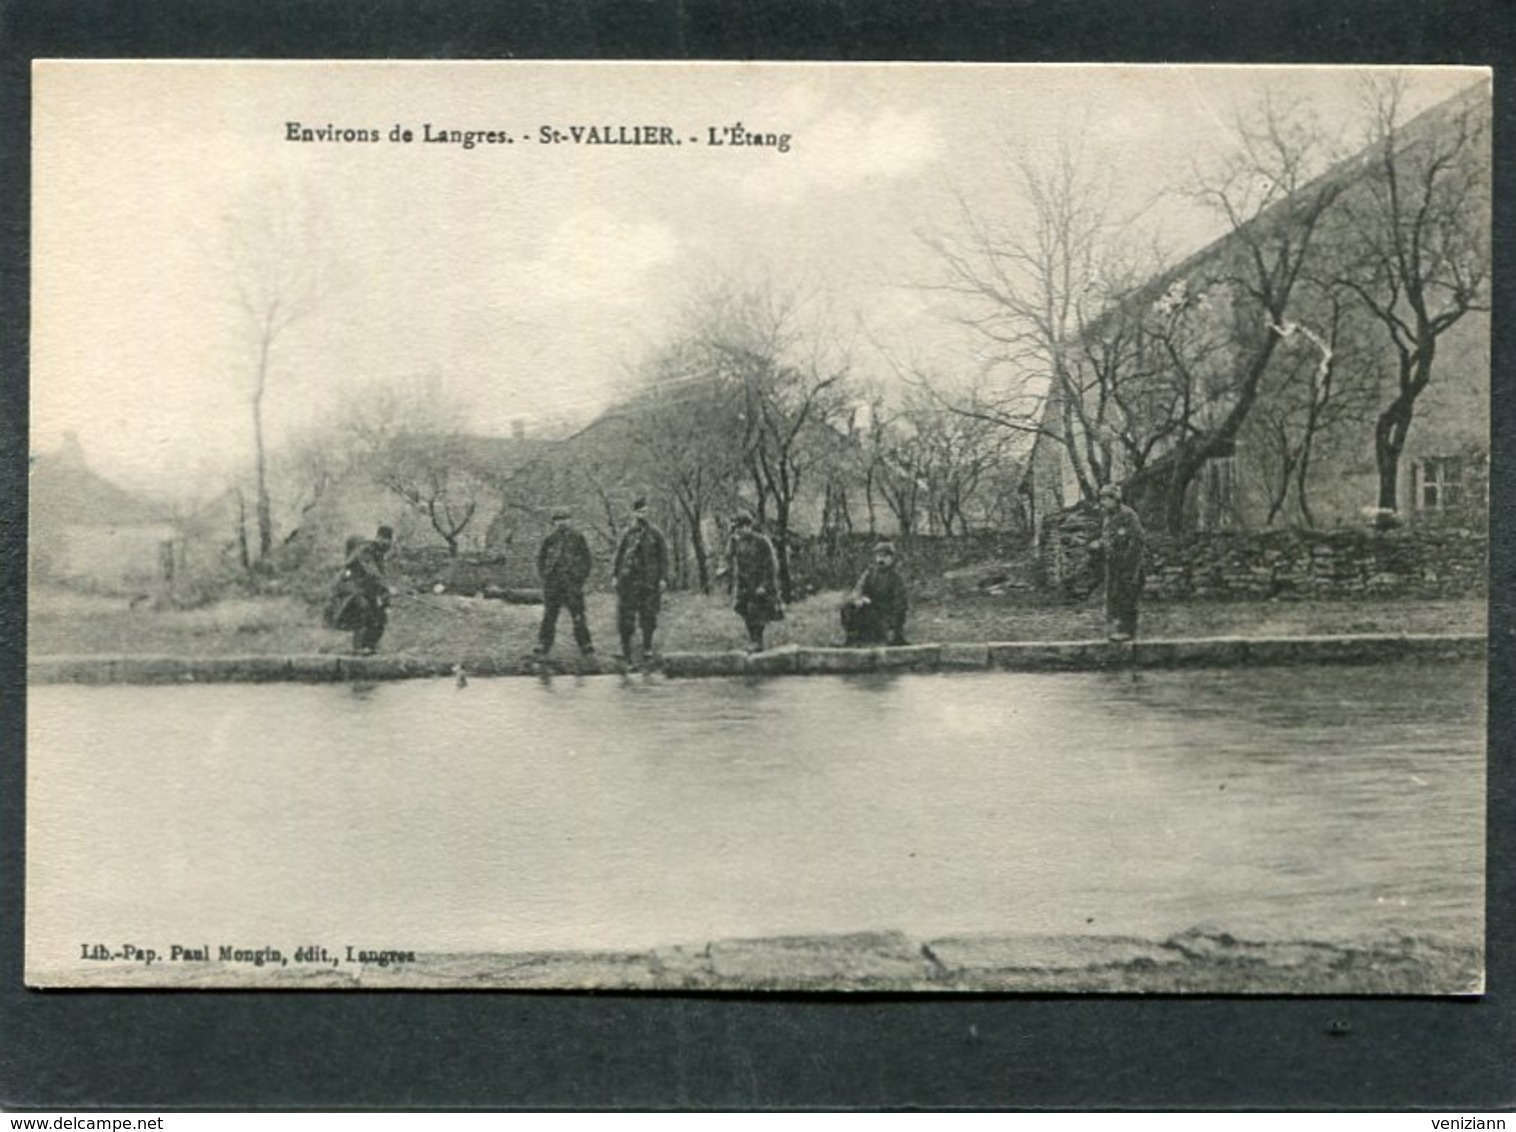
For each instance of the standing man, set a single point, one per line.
(875, 614)
(1124, 543)
(563, 564)
(753, 573)
(640, 575)
(362, 594)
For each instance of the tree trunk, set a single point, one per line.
(760, 492)
(697, 543)
(265, 511)
(1193, 457)
(1302, 474)
(1394, 424)
(1389, 442)
(242, 552)
(702, 561)
(1178, 487)
(1280, 494)
(782, 547)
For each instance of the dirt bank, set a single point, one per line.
(1198, 961)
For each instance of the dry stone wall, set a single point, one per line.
(1345, 563)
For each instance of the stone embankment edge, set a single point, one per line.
(1009, 656)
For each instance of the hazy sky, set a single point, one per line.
(529, 275)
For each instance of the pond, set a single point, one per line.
(1305, 803)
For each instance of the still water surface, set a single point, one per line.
(1326, 804)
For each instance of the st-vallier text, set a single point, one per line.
(735, 135)
(251, 956)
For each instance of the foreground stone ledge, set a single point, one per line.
(1010, 656)
(1196, 961)
(819, 661)
(969, 954)
(911, 658)
(1214, 652)
(1057, 656)
(965, 656)
(868, 958)
(775, 662)
(704, 664)
(1361, 649)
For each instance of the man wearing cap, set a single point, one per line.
(563, 564)
(1123, 543)
(640, 575)
(753, 574)
(362, 596)
(875, 614)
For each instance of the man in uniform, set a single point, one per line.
(753, 574)
(563, 564)
(875, 614)
(640, 575)
(1123, 543)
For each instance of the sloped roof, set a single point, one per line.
(1344, 173)
(500, 457)
(65, 490)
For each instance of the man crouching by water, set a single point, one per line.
(875, 613)
(361, 596)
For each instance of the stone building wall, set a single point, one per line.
(1344, 563)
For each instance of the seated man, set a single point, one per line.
(875, 613)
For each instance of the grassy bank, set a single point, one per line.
(439, 626)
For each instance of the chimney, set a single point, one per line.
(518, 429)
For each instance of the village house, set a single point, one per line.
(467, 479)
(90, 533)
(1248, 486)
(634, 448)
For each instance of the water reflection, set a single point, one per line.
(1296, 803)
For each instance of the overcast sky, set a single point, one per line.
(529, 275)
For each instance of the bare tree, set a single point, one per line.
(1322, 386)
(427, 472)
(1416, 237)
(787, 381)
(936, 455)
(897, 467)
(1274, 198)
(278, 276)
(964, 456)
(682, 424)
(308, 466)
(409, 433)
(1057, 301)
(867, 426)
(599, 473)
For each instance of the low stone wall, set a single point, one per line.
(1252, 565)
(1011, 656)
(836, 563)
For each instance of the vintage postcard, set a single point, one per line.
(758, 526)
